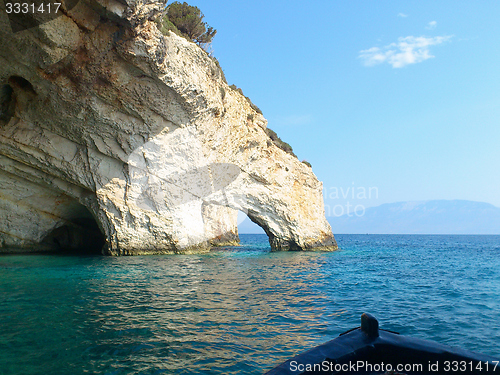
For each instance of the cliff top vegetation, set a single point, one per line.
(187, 21)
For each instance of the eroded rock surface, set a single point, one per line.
(103, 119)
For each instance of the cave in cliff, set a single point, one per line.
(38, 217)
(114, 133)
(79, 235)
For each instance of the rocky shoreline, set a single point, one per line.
(115, 136)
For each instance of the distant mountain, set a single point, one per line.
(424, 217)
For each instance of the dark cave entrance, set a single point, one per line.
(79, 235)
(9, 93)
(7, 103)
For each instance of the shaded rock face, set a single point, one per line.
(114, 136)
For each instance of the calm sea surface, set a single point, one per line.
(241, 310)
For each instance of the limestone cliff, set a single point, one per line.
(113, 132)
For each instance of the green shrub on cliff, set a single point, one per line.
(187, 20)
(278, 142)
(164, 25)
(254, 107)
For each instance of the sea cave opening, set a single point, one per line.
(79, 235)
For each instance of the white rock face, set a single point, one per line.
(107, 126)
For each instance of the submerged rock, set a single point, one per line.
(104, 119)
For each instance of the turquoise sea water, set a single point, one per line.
(241, 310)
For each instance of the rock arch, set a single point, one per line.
(106, 112)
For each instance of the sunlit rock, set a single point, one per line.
(108, 126)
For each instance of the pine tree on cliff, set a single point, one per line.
(187, 20)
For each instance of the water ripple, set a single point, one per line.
(241, 310)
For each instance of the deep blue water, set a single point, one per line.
(241, 310)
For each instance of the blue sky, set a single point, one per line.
(394, 95)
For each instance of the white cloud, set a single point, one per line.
(402, 15)
(407, 50)
(431, 25)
